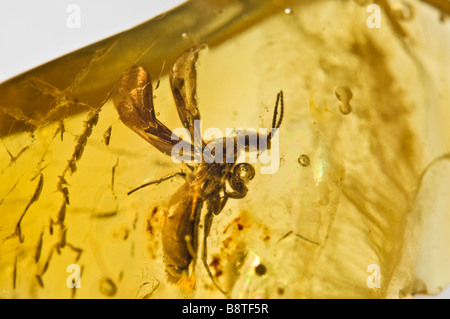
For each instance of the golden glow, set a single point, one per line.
(374, 192)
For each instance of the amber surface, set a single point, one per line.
(364, 149)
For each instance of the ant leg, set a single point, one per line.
(207, 227)
(158, 181)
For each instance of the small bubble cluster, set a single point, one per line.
(344, 95)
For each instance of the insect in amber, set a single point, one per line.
(206, 183)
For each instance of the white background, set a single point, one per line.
(34, 32)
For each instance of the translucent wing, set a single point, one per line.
(133, 100)
(183, 81)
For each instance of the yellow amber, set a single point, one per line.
(366, 218)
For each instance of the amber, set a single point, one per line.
(359, 206)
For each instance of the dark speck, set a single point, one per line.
(260, 269)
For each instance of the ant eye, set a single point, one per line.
(244, 171)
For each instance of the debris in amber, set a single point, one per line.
(359, 205)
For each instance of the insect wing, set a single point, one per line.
(133, 101)
(183, 81)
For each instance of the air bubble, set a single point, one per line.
(288, 11)
(303, 160)
(344, 95)
(185, 36)
(324, 201)
(345, 108)
(107, 287)
(403, 11)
